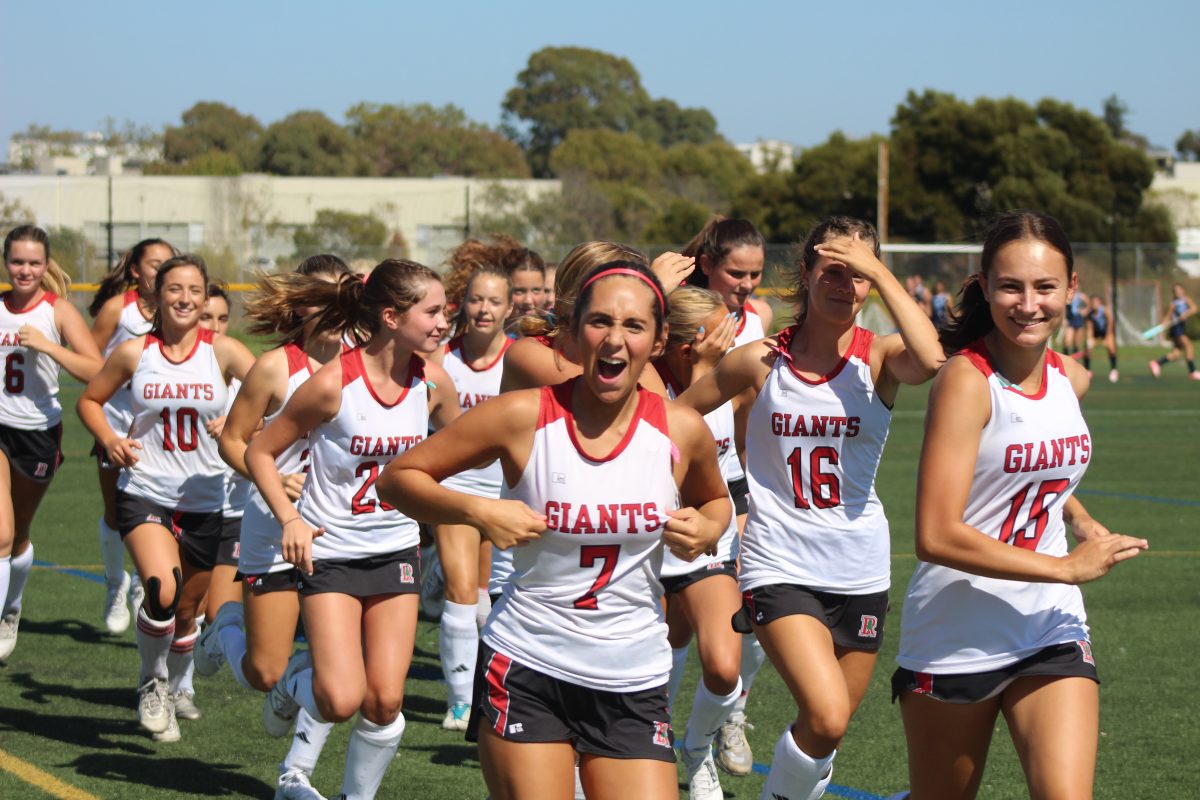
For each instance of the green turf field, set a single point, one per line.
(67, 696)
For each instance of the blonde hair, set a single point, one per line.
(579, 262)
(689, 306)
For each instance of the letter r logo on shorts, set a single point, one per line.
(40, 471)
(1085, 647)
(406, 573)
(662, 734)
(868, 627)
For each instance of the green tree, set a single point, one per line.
(1115, 111)
(214, 162)
(13, 213)
(423, 140)
(209, 127)
(71, 250)
(674, 125)
(309, 143)
(606, 155)
(343, 233)
(1188, 145)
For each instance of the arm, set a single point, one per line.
(706, 510)
(257, 398)
(502, 428)
(529, 364)
(443, 397)
(115, 373)
(959, 408)
(106, 321)
(743, 368)
(234, 357)
(79, 357)
(316, 401)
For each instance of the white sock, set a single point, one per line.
(795, 775)
(180, 663)
(753, 657)
(112, 553)
(300, 689)
(20, 568)
(483, 608)
(5, 574)
(307, 743)
(368, 755)
(458, 642)
(709, 712)
(154, 642)
(678, 662)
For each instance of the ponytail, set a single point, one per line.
(120, 276)
(970, 319)
(271, 309)
(54, 280)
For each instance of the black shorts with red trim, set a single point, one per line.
(855, 620)
(35, 454)
(230, 542)
(677, 583)
(386, 573)
(524, 705)
(198, 532)
(1066, 660)
(282, 581)
(739, 490)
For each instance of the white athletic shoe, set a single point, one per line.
(279, 707)
(116, 615)
(171, 732)
(208, 655)
(137, 594)
(184, 704)
(1155, 369)
(733, 751)
(1113, 376)
(8, 633)
(154, 710)
(703, 781)
(294, 785)
(457, 717)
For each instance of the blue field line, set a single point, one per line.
(1145, 498)
(78, 573)
(833, 788)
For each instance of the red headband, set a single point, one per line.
(662, 305)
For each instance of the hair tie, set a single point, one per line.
(662, 304)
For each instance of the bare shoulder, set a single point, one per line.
(685, 422)
(1077, 375)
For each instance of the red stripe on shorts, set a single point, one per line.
(497, 671)
(924, 683)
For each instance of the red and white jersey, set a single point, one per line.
(582, 604)
(261, 548)
(29, 401)
(720, 422)
(1033, 452)
(347, 454)
(237, 488)
(812, 449)
(750, 327)
(130, 325)
(475, 385)
(178, 465)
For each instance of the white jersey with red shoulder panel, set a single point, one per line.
(583, 602)
(261, 548)
(346, 456)
(1033, 452)
(750, 326)
(178, 465)
(130, 325)
(812, 449)
(720, 422)
(475, 386)
(29, 401)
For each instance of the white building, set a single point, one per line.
(769, 155)
(83, 154)
(1179, 190)
(254, 216)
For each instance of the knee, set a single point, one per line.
(263, 673)
(162, 595)
(462, 589)
(382, 707)
(824, 729)
(336, 703)
(721, 672)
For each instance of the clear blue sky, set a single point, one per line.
(788, 70)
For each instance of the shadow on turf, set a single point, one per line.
(36, 691)
(84, 732)
(187, 776)
(449, 755)
(82, 632)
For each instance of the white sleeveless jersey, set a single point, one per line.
(130, 325)
(1033, 452)
(178, 465)
(720, 422)
(812, 449)
(583, 602)
(237, 488)
(750, 327)
(346, 456)
(474, 387)
(29, 401)
(261, 548)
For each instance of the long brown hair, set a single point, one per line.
(271, 311)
